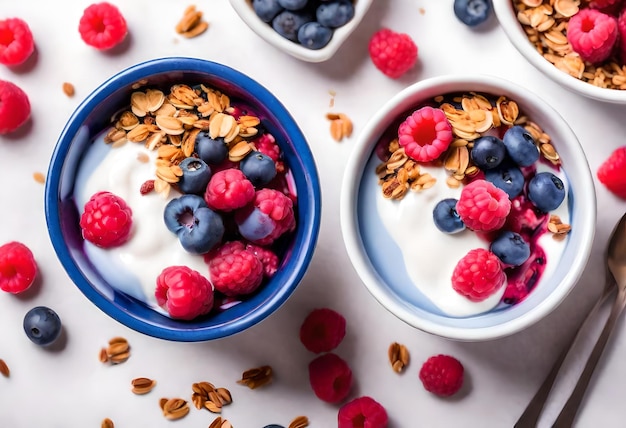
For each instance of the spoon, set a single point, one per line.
(616, 262)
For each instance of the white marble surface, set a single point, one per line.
(69, 387)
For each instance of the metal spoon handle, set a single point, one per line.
(531, 414)
(570, 409)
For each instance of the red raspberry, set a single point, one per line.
(106, 220)
(234, 270)
(606, 6)
(14, 107)
(330, 377)
(612, 172)
(266, 144)
(592, 34)
(16, 41)
(268, 258)
(275, 207)
(183, 292)
(425, 134)
(322, 330)
(228, 190)
(392, 53)
(483, 207)
(102, 26)
(478, 275)
(621, 30)
(442, 375)
(363, 412)
(18, 268)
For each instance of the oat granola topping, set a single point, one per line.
(558, 228)
(545, 23)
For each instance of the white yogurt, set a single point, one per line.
(430, 255)
(134, 266)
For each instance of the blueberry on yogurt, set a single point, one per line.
(446, 217)
(508, 178)
(546, 191)
(520, 146)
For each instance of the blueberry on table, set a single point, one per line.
(287, 23)
(508, 178)
(42, 325)
(488, 152)
(472, 12)
(510, 248)
(546, 191)
(521, 146)
(335, 13)
(446, 217)
(266, 9)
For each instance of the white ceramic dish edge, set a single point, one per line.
(352, 178)
(506, 15)
(266, 32)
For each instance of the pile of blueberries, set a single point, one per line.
(310, 23)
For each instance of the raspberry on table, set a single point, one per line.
(592, 34)
(14, 107)
(234, 269)
(106, 220)
(392, 53)
(183, 292)
(102, 26)
(612, 172)
(16, 41)
(425, 134)
(268, 258)
(330, 378)
(478, 275)
(18, 267)
(228, 190)
(322, 330)
(483, 207)
(442, 375)
(362, 412)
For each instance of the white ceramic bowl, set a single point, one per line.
(505, 11)
(265, 31)
(377, 259)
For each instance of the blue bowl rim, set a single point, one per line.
(310, 222)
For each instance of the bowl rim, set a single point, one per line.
(506, 15)
(311, 222)
(363, 149)
(265, 31)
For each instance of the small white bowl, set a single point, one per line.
(507, 16)
(265, 31)
(377, 259)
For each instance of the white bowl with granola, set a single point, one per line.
(468, 207)
(261, 17)
(538, 29)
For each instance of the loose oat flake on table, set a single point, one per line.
(4, 369)
(256, 377)
(142, 385)
(174, 408)
(117, 351)
(206, 395)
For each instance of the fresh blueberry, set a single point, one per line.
(287, 23)
(273, 426)
(508, 178)
(488, 152)
(313, 35)
(196, 176)
(520, 145)
(510, 248)
(42, 325)
(198, 228)
(472, 12)
(258, 167)
(254, 225)
(266, 9)
(293, 4)
(212, 151)
(546, 191)
(335, 14)
(446, 218)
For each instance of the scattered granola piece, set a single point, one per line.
(558, 228)
(4, 369)
(117, 352)
(219, 422)
(39, 177)
(174, 408)
(299, 422)
(332, 94)
(142, 385)
(191, 24)
(256, 377)
(68, 89)
(398, 357)
(107, 423)
(340, 126)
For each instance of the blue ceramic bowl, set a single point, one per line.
(93, 115)
(378, 259)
